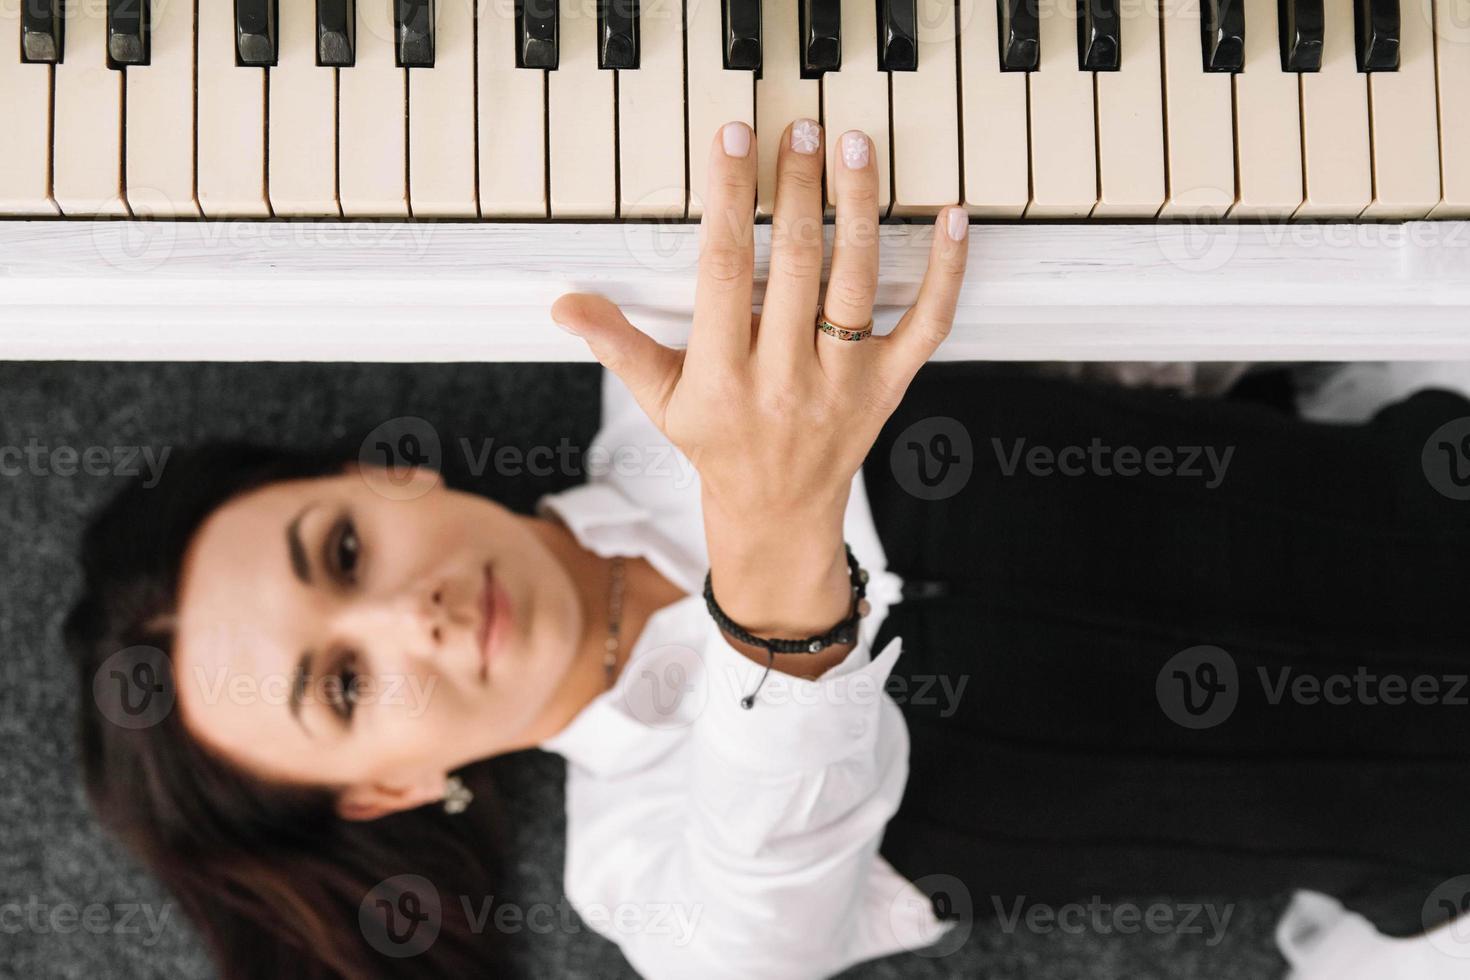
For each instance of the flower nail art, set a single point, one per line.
(806, 136)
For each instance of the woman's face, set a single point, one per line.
(329, 633)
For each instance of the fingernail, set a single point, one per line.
(566, 328)
(854, 150)
(735, 137)
(957, 224)
(806, 136)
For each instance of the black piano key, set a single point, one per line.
(536, 34)
(1020, 34)
(41, 31)
(898, 35)
(256, 42)
(617, 34)
(1301, 34)
(1099, 35)
(819, 27)
(336, 33)
(414, 33)
(1222, 33)
(127, 32)
(742, 23)
(1378, 35)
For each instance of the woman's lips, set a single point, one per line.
(496, 618)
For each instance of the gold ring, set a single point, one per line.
(841, 333)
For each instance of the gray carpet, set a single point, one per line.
(74, 905)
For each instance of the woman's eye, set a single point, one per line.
(343, 693)
(344, 550)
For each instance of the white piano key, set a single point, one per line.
(1198, 121)
(926, 137)
(231, 113)
(25, 119)
(441, 119)
(1268, 128)
(1452, 57)
(1130, 119)
(714, 96)
(993, 119)
(1336, 161)
(303, 120)
(651, 116)
(512, 123)
(579, 98)
(1405, 122)
(87, 138)
(230, 109)
(781, 94)
(857, 96)
(1063, 140)
(372, 107)
(159, 129)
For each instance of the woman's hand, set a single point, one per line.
(775, 415)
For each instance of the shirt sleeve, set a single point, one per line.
(1321, 940)
(787, 802)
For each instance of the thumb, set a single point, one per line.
(647, 367)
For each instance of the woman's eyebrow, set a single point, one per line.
(299, 563)
(299, 680)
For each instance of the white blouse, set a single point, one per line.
(705, 839)
(710, 841)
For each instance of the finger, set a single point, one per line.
(795, 281)
(926, 324)
(854, 279)
(648, 368)
(722, 296)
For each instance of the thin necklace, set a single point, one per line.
(611, 645)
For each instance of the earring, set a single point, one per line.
(457, 796)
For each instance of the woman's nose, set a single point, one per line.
(413, 621)
(428, 610)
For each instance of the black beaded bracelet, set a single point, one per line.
(843, 632)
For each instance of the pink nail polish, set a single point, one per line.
(806, 136)
(735, 137)
(957, 224)
(854, 150)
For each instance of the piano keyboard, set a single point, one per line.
(604, 109)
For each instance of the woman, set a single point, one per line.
(297, 664)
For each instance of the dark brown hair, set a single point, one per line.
(268, 873)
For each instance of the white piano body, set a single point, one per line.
(370, 291)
